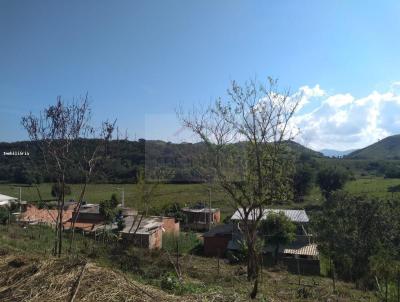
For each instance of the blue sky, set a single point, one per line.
(139, 60)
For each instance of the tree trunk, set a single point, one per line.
(254, 292)
(61, 209)
(252, 265)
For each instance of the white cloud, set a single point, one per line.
(305, 93)
(342, 121)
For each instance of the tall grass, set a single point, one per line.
(185, 242)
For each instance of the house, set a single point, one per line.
(147, 232)
(88, 213)
(301, 255)
(6, 201)
(217, 239)
(88, 219)
(200, 217)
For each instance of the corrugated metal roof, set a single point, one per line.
(307, 250)
(147, 224)
(293, 215)
(7, 198)
(199, 210)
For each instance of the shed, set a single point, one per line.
(200, 217)
(216, 240)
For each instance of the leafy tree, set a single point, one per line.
(108, 208)
(384, 268)
(258, 174)
(120, 221)
(4, 215)
(352, 229)
(56, 133)
(331, 179)
(394, 189)
(278, 230)
(174, 210)
(56, 190)
(303, 181)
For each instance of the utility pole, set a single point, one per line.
(20, 195)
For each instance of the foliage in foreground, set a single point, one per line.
(358, 233)
(205, 279)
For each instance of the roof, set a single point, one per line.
(293, 215)
(6, 198)
(199, 210)
(147, 224)
(220, 230)
(89, 226)
(307, 250)
(90, 208)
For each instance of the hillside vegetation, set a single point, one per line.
(184, 162)
(387, 148)
(28, 273)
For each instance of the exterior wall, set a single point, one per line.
(217, 216)
(201, 221)
(216, 246)
(170, 226)
(88, 217)
(155, 240)
(149, 241)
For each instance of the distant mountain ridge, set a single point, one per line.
(336, 153)
(385, 149)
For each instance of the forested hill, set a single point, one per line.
(125, 160)
(387, 148)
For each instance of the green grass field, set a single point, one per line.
(376, 187)
(164, 194)
(185, 194)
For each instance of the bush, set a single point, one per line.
(56, 190)
(187, 242)
(170, 282)
(4, 215)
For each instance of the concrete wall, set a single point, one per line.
(170, 226)
(217, 216)
(150, 241)
(216, 246)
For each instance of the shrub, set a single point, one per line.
(4, 215)
(187, 242)
(170, 282)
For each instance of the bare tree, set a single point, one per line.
(57, 131)
(256, 170)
